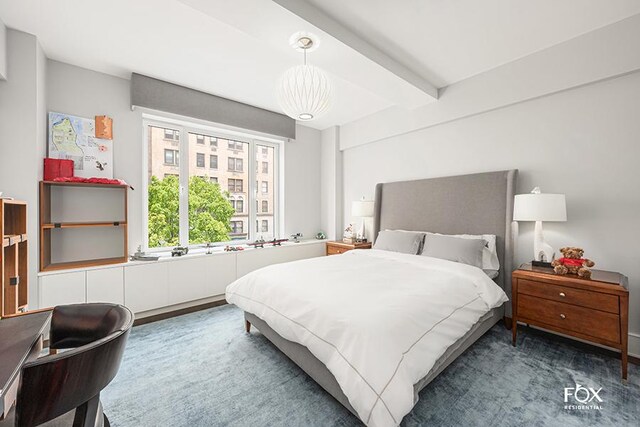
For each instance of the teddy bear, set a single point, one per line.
(573, 263)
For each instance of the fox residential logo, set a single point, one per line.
(582, 398)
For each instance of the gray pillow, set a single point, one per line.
(466, 251)
(406, 242)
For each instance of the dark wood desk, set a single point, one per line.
(20, 340)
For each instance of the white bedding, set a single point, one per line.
(378, 320)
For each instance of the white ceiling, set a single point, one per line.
(238, 49)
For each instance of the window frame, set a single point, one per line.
(184, 126)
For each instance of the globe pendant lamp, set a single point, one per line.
(304, 91)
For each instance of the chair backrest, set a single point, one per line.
(53, 385)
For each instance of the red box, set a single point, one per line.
(57, 168)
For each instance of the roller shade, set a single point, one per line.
(163, 96)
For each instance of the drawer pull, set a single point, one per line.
(562, 316)
(562, 294)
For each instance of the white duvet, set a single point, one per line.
(378, 320)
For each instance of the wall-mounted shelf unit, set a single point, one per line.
(13, 257)
(82, 225)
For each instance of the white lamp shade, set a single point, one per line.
(540, 207)
(362, 208)
(304, 92)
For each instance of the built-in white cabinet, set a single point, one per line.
(62, 288)
(156, 285)
(253, 260)
(106, 285)
(146, 287)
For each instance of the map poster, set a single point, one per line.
(74, 138)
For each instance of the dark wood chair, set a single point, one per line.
(63, 389)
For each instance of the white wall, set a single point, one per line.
(22, 99)
(331, 183)
(3, 51)
(583, 142)
(86, 93)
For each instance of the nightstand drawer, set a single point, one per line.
(335, 250)
(583, 298)
(585, 321)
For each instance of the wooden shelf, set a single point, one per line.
(12, 239)
(84, 224)
(84, 263)
(48, 237)
(84, 184)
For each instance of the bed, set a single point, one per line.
(328, 327)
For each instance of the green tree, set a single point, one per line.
(209, 211)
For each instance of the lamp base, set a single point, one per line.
(541, 264)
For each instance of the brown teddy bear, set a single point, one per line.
(573, 263)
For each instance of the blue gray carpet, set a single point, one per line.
(201, 369)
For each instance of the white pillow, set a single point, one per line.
(489, 253)
(399, 241)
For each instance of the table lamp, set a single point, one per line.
(537, 206)
(362, 209)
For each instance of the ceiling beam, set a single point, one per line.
(326, 23)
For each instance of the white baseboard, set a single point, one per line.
(634, 345)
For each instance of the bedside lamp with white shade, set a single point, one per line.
(362, 209)
(537, 206)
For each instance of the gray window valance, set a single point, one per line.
(163, 96)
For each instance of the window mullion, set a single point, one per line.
(184, 186)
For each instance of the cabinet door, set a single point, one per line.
(106, 285)
(222, 272)
(146, 287)
(63, 288)
(188, 279)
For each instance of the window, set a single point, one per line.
(265, 167)
(171, 157)
(237, 227)
(235, 145)
(186, 205)
(171, 134)
(235, 185)
(265, 187)
(235, 164)
(238, 205)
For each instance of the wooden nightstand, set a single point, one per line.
(336, 248)
(595, 310)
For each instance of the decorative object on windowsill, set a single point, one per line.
(362, 209)
(347, 236)
(179, 251)
(208, 248)
(104, 127)
(537, 206)
(573, 263)
(233, 248)
(320, 235)
(304, 91)
(296, 237)
(141, 256)
(259, 243)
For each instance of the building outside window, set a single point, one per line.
(166, 204)
(265, 187)
(265, 206)
(265, 226)
(265, 167)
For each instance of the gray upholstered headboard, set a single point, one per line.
(480, 203)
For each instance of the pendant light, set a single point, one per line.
(304, 91)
